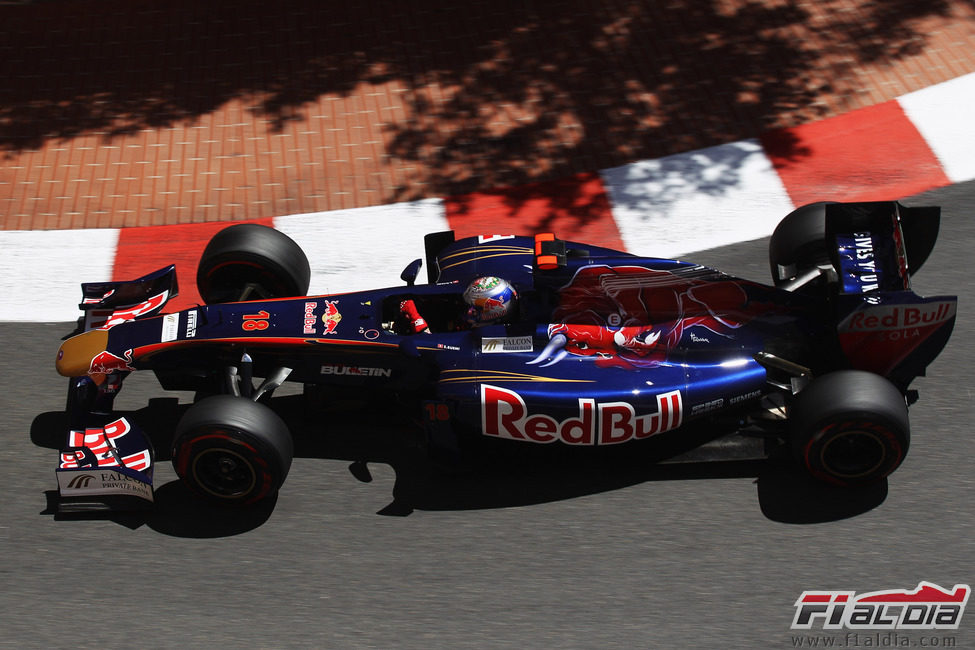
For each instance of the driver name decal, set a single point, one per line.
(504, 414)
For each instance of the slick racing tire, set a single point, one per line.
(850, 428)
(799, 244)
(231, 450)
(249, 261)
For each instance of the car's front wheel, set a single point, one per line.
(231, 450)
(249, 261)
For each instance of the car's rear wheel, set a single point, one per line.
(249, 261)
(798, 245)
(231, 450)
(850, 428)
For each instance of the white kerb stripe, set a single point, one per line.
(363, 248)
(943, 114)
(698, 200)
(41, 271)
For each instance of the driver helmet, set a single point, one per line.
(489, 299)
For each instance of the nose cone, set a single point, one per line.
(75, 355)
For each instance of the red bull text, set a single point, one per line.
(504, 414)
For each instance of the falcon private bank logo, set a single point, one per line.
(927, 607)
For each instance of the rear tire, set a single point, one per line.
(231, 450)
(799, 244)
(850, 428)
(249, 261)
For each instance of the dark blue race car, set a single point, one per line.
(593, 348)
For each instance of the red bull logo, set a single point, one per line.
(504, 414)
(331, 317)
(309, 325)
(106, 362)
(884, 317)
(879, 337)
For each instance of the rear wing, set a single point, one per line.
(882, 325)
(879, 245)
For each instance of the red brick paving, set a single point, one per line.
(124, 113)
(578, 204)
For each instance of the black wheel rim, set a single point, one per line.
(854, 454)
(224, 473)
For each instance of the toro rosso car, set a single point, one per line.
(600, 348)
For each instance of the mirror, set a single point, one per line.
(410, 272)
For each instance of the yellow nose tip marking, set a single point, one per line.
(75, 355)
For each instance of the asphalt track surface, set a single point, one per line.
(540, 555)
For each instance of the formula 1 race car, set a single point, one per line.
(599, 348)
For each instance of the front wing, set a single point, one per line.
(105, 467)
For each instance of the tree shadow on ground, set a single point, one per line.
(485, 93)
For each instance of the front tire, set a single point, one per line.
(232, 451)
(249, 261)
(850, 428)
